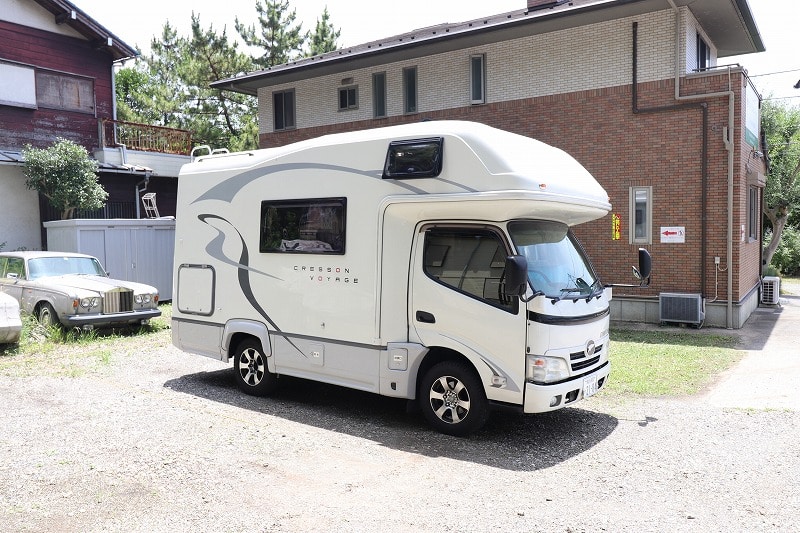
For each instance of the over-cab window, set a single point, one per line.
(315, 226)
(469, 260)
(415, 158)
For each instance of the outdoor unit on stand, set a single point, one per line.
(771, 290)
(684, 308)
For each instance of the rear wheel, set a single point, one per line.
(452, 399)
(250, 366)
(47, 315)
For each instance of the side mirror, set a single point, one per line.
(516, 275)
(645, 266)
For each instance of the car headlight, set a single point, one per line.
(541, 369)
(89, 303)
(142, 298)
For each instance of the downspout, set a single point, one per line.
(704, 148)
(727, 139)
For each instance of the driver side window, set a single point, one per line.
(469, 260)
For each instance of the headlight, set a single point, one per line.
(542, 369)
(88, 303)
(142, 298)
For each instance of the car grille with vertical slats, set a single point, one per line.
(580, 361)
(118, 301)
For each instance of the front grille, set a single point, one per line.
(580, 361)
(585, 363)
(118, 301)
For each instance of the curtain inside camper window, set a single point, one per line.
(303, 226)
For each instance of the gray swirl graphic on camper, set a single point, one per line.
(214, 247)
(227, 189)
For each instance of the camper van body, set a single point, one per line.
(343, 259)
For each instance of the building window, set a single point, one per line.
(348, 98)
(410, 90)
(283, 109)
(753, 213)
(62, 91)
(379, 94)
(703, 54)
(315, 226)
(641, 209)
(478, 79)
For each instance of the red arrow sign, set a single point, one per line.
(668, 233)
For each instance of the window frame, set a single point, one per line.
(753, 212)
(410, 91)
(390, 170)
(67, 92)
(283, 115)
(703, 59)
(347, 91)
(308, 204)
(477, 70)
(647, 223)
(512, 306)
(379, 95)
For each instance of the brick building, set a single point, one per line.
(57, 80)
(633, 89)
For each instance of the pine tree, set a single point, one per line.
(324, 37)
(276, 34)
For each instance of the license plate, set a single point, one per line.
(589, 386)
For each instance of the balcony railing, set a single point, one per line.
(134, 136)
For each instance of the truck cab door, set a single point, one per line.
(457, 302)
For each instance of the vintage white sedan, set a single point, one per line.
(74, 290)
(10, 321)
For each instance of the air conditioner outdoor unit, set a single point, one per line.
(770, 290)
(676, 307)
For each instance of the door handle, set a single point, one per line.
(426, 317)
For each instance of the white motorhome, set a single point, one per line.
(429, 261)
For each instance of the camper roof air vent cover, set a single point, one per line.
(414, 158)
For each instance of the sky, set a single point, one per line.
(773, 72)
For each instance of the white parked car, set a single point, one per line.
(74, 290)
(10, 322)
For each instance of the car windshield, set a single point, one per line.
(42, 267)
(557, 265)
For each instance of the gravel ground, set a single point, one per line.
(160, 441)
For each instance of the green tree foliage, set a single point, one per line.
(787, 255)
(135, 93)
(276, 34)
(182, 97)
(324, 37)
(781, 125)
(66, 175)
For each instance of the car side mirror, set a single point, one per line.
(645, 266)
(516, 275)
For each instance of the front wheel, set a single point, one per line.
(452, 399)
(47, 316)
(250, 366)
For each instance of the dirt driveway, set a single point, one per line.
(160, 441)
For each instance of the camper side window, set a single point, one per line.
(303, 226)
(471, 261)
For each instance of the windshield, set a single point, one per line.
(59, 266)
(557, 266)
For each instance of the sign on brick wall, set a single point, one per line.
(673, 234)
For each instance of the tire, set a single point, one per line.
(452, 399)
(250, 366)
(47, 315)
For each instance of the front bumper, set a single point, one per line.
(543, 398)
(111, 319)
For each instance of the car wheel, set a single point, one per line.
(47, 315)
(452, 399)
(250, 366)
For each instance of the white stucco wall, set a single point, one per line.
(31, 14)
(590, 57)
(19, 211)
